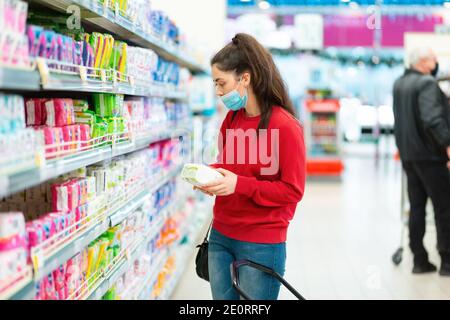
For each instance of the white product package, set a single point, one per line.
(199, 174)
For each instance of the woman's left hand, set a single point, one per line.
(224, 186)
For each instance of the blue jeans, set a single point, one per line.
(258, 285)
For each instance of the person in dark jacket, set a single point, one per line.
(422, 133)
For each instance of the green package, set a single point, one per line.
(110, 294)
(108, 105)
(103, 104)
(112, 125)
(86, 117)
(80, 105)
(116, 250)
(99, 130)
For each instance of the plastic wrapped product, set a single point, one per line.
(85, 135)
(198, 174)
(80, 105)
(11, 224)
(59, 112)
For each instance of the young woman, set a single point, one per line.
(262, 159)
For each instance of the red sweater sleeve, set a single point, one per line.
(290, 187)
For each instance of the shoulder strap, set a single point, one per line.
(233, 116)
(207, 232)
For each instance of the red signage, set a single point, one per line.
(325, 105)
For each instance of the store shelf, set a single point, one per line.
(19, 79)
(74, 246)
(94, 13)
(14, 290)
(69, 82)
(146, 287)
(183, 255)
(122, 267)
(29, 178)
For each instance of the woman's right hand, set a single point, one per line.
(203, 190)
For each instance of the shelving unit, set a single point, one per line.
(35, 79)
(29, 178)
(94, 13)
(19, 79)
(323, 139)
(74, 245)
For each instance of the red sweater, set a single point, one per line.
(264, 202)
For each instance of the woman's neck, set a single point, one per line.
(252, 109)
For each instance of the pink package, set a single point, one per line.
(59, 112)
(66, 196)
(85, 135)
(49, 139)
(69, 111)
(33, 112)
(40, 290)
(35, 234)
(59, 138)
(77, 135)
(58, 221)
(49, 285)
(48, 226)
(72, 275)
(69, 138)
(83, 192)
(16, 242)
(70, 220)
(62, 294)
(59, 276)
(73, 188)
(11, 224)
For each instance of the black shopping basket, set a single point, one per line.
(235, 277)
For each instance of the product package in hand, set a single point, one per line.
(199, 174)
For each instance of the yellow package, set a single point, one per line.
(92, 259)
(109, 44)
(123, 59)
(100, 265)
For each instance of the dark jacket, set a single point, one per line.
(422, 118)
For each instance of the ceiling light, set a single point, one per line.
(264, 5)
(353, 5)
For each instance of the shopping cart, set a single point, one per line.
(235, 277)
(397, 257)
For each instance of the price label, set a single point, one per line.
(103, 75)
(131, 80)
(37, 259)
(83, 74)
(43, 70)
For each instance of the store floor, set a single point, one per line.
(342, 238)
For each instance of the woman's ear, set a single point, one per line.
(246, 77)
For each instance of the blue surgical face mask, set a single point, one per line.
(233, 100)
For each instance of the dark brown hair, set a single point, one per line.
(245, 54)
